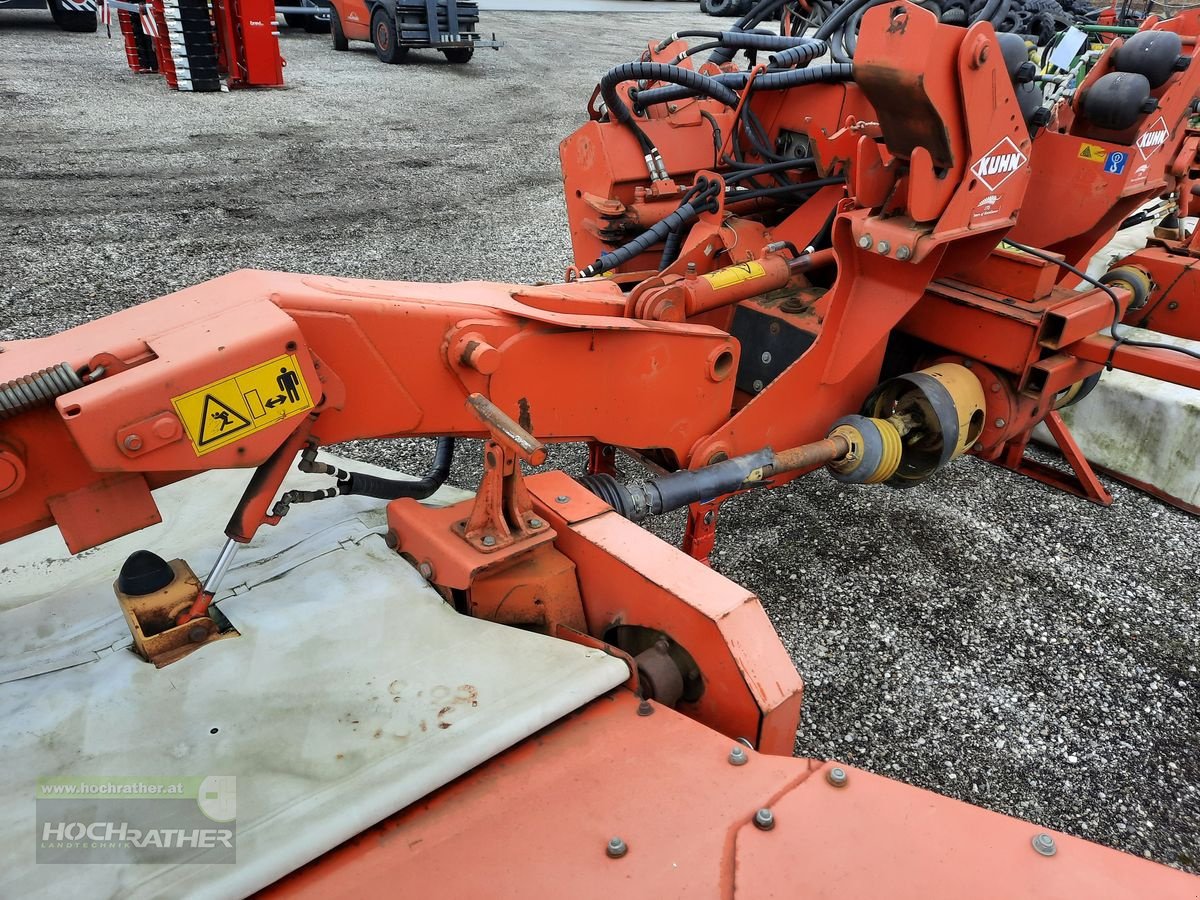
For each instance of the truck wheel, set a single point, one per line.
(718, 7)
(339, 36)
(459, 55)
(385, 38)
(71, 19)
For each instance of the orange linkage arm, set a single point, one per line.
(219, 375)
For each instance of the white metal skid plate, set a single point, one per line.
(353, 690)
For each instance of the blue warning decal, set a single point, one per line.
(1116, 162)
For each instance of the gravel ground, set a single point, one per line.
(981, 636)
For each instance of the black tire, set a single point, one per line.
(718, 7)
(335, 28)
(71, 19)
(459, 55)
(385, 38)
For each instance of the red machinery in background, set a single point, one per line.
(233, 44)
(780, 269)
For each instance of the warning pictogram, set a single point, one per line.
(217, 420)
(238, 405)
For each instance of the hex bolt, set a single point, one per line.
(738, 757)
(995, 388)
(1173, 305)
(691, 268)
(764, 819)
(1000, 423)
(766, 357)
(645, 709)
(837, 776)
(903, 252)
(133, 442)
(865, 242)
(616, 848)
(708, 517)
(535, 523)
(562, 498)
(884, 247)
(489, 541)
(758, 385)
(1044, 844)
(426, 570)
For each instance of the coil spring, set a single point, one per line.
(38, 389)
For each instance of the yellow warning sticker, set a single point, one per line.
(1092, 153)
(235, 407)
(731, 275)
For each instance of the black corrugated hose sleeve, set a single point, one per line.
(767, 81)
(648, 71)
(647, 239)
(395, 488)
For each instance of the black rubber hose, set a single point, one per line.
(767, 81)
(800, 55)
(364, 485)
(693, 81)
(756, 40)
(657, 232)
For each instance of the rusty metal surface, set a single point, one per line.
(151, 619)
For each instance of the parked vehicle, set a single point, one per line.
(397, 26)
(69, 15)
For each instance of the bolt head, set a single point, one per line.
(738, 757)
(708, 517)
(133, 442)
(837, 776)
(616, 848)
(426, 570)
(884, 247)
(903, 252)
(758, 385)
(1000, 423)
(766, 357)
(562, 498)
(865, 242)
(536, 523)
(1044, 844)
(764, 819)
(995, 388)
(489, 541)
(645, 709)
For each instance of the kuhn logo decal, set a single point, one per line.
(1151, 140)
(999, 164)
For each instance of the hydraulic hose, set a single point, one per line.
(691, 80)
(395, 488)
(656, 233)
(771, 80)
(800, 55)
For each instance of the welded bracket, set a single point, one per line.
(1082, 481)
(503, 511)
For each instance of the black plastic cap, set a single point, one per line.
(144, 573)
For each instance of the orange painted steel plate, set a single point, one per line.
(535, 822)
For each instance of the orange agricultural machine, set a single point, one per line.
(796, 266)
